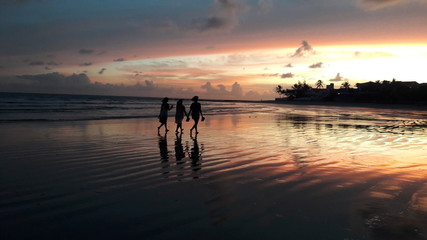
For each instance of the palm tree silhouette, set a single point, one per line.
(319, 84)
(345, 85)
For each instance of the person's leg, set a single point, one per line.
(196, 122)
(196, 127)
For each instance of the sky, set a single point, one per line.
(217, 49)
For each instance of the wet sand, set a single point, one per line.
(258, 176)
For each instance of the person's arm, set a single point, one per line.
(185, 111)
(201, 114)
(188, 115)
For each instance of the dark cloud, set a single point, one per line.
(211, 23)
(316, 65)
(305, 49)
(85, 64)
(289, 65)
(287, 75)
(86, 51)
(56, 80)
(224, 18)
(338, 78)
(119, 60)
(102, 70)
(270, 75)
(53, 63)
(36, 63)
(78, 84)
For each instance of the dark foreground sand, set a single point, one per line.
(244, 177)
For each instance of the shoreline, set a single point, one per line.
(355, 104)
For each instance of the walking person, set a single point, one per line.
(179, 115)
(195, 112)
(163, 116)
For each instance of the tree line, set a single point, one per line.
(378, 91)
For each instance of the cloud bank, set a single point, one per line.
(80, 84)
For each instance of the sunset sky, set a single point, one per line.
(218, 49)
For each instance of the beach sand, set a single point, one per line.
(258, 176)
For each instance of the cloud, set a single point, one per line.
(53, 63)
(36, 63)
(80, 84)
(211, 23)
(84, 51)
(236, 90)
(56, 80)
(304, 50)
(85, 64)
(287, 75)
(289, 65)
(377, 4)
(220, 91)
(102, 70)
(224, 17)
(42, 63)
(149, 84)
(119, 60)
(316, 65)
(338, 78)
(270, 75)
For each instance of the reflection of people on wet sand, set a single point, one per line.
(195, 112)
(195, 155)
(164, 155)
(179, 115)
(163, 116)
(179, 150)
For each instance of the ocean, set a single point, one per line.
(60, 107)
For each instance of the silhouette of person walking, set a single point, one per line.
(163, 116)
(179, 115)
(195, 112)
